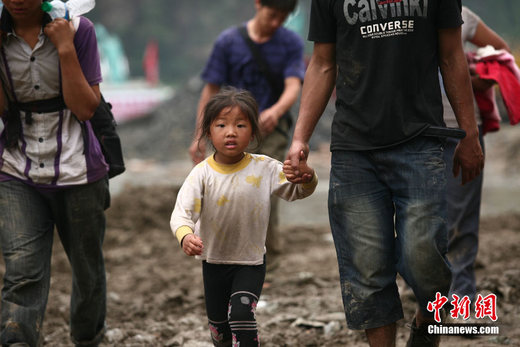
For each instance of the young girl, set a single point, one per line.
(222, 212)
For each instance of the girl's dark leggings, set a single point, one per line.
(232, 293)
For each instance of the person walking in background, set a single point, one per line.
(273, 72)
(52, 171)
(464, 200)
(387, 194)
(222, 210)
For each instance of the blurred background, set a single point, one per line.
(185, 29)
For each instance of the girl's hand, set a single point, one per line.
(192, 245)
(61, 33)
(302, 174)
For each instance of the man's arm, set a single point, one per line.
(269, 118)
(484, 36)
(454, 68)
(198, 150)
(80, 97)
(317, 88)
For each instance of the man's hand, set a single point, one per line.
(297, 150)
(197, 151)
(481, 85)
(192, 245)
(469, 158)
(267, 121)
(61, 33)
(305, 172)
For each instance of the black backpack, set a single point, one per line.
(104, 126)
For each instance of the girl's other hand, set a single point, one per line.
(192, 245)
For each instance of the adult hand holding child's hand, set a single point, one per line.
(300, 174)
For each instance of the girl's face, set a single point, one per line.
(230, 133)
(23, 9)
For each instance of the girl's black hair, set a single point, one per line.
(230, 97)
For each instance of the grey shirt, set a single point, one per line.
(56, 149)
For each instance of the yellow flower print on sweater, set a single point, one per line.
(254, 180)
(222, 200)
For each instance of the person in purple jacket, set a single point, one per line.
(232, 63)
(52, 171)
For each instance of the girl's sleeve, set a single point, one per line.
(188, 204)
(291, 191)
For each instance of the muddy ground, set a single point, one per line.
(155, 295)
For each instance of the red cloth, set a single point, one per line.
(488, 109)
(502, 69)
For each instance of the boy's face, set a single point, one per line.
(20, 9)
(270, 19)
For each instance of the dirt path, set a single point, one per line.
(155, 292)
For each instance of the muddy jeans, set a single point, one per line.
(27, 221)
(387, 214)
(463, 225)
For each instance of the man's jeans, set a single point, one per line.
(463, 225)
(387, 213)
(27, 220)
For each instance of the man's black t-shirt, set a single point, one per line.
(387, 55)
